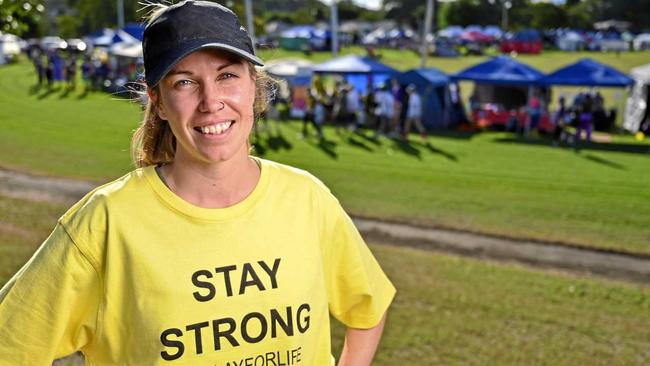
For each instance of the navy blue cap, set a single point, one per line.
(190, 26)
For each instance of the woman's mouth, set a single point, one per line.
(215, 129)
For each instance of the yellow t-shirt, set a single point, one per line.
(134, 275)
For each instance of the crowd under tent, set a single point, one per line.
(358, 71)
(433, 87)
(295, 76)
(637, 111)
(503, 86)
(589, 73)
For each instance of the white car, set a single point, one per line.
(9, 47)
(642, 42)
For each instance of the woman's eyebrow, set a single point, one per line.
(188, 72)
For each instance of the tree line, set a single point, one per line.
(72, 18)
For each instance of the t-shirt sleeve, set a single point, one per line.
(359, 292)
(49, 308)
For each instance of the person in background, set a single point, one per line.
(534, 114)
(384, 110)
(398, 103)
(71, 71)
(560, 121)
(370, 106)
(585, 119)
(352, 107)
(414, 113)
(86, 69)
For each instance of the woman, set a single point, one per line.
(203, 255)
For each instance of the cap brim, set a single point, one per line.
(174, 57)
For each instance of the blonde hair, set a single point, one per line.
(154, 143)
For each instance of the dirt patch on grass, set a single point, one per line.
(11, 229)
(626, 266)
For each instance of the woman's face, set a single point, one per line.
(207, 98)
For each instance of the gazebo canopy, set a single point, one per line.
(588, 72)
(424, 77)
(501, 70)
(354, 65)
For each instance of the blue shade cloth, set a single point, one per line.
(431, 84)
(353, 64)
(358, 71)
(135, 29)
(588, 72)
(501, 70)
(305, 31)
(423, 78)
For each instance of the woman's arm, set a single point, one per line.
(361, 344)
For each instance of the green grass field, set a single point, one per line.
(488, 182)
(451, 311)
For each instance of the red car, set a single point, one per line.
(528, 41)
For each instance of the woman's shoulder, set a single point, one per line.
(123, 189)
(283, 174)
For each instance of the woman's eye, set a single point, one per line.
(182, 82)
(227, 75)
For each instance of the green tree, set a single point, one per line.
(547, 15)
(21, 17)
(68, 26)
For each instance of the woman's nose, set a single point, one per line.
(211, 99)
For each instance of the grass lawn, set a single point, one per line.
(490, 182)
(451, 311)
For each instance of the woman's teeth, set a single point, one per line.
(217, 129)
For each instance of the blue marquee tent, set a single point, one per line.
(501, 70)
(358, 71)
(135, 29)
(432, 85)
(588, 72)
(303, 37)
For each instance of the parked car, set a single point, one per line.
(642, 42)
(610, 41)
(527, 41)
(10, 47)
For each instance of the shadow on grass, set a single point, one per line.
(66, 92)
(435, 150)
(84, 94)
(454, 134)
(407, 148)
(352, 141)
(270, 140)
(327, 146)
(371, 139)
(34, 89)
(48, 91)
(592, 146)
(599, 160)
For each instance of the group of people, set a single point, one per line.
(586, 112)
(58, 67)
(390, 110)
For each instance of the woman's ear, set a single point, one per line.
(153, 97)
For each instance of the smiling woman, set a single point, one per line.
(204, 254)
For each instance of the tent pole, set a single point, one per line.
(424, 49)
(249, 21)
(335, 29)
